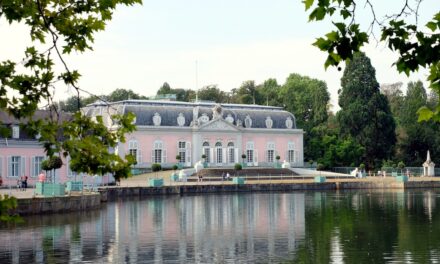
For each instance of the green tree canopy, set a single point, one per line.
(418, 46)
(365, 114)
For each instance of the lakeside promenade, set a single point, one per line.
(142, 181)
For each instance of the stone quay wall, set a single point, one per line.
(58, 204)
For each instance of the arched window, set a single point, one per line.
(206, 151)
(270, 152)
(158, 152)
(231, 152)
(219, 152)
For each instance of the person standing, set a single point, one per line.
(41, 177)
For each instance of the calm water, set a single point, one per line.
(311, 227)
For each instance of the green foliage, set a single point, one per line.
(277, 157)
(365, 114)
(156, 167)
(60, 27)
(8, 203)
(416, 47)
(55, 162)
(212, 93)
(203, 156)
(175, 167)
(45, 165)
(401, 165)
(243, 156)
(178, 157)
(321, 167)
(237, 166)
(362, 166)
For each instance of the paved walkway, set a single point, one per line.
(142, 181)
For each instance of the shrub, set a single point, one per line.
(243, 156)
(55, 162)
(320, 166)
(237, 166)
(45, 165)
(401, 165)
(156, 167)
(178, 157)
(362, 166)
(278, 157)
(175, 167)
(203, 156)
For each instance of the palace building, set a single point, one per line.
(220, 132)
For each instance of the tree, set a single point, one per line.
(60, 27)
(416, 46)
(395, 98)
(123, 94)
(365, 114)
(269, 93)
(164, 89)
(416, 138)
(212, 93)
(308, 100)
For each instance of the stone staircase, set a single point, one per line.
(215, 174)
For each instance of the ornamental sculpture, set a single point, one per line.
(229, 119)
(248, 122)
(181, 119)
(269, 122)
(157, 119)
(289, 122)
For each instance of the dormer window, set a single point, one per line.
(15, 132)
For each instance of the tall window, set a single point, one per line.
(206, 151)
(182, 151)
(291, 152)
(36, 165)
(158, 152)
(250, 151)
(218, 152)
(231, 152)
(15, 164)
(133, 149)
(270, 152)
(15, 131)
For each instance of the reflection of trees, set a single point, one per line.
(395, 228)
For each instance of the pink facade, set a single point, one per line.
(220, 132)
(21, 158)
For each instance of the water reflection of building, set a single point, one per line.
(206, 228)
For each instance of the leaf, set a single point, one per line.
(425, 114)
(308, 3)
(431, 25)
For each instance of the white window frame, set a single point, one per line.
(206, 151)
(270, 152)
(231, 152)
(16, 165)
(15, 131)
(250, 154)
(291, 157)
(158, 154)
(218, 152)
(182, 150)
(133, 149)
(36, 165)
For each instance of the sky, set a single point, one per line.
(230, 41)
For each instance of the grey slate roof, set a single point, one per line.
(169, 111)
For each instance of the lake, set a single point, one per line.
(295, 227)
